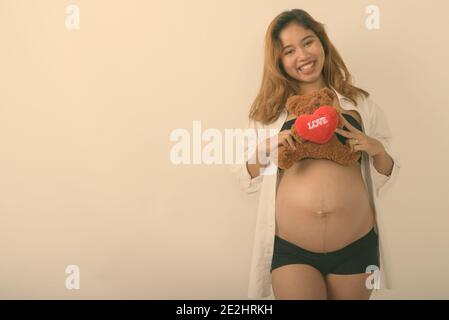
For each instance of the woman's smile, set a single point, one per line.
(307, 69)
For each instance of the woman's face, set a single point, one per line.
(302, 55)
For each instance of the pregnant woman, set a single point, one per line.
(319, 238)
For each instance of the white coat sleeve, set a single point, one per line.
(248, 184)
(380, 130)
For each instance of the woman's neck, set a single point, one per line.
(306, 88)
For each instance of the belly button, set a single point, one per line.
(322, 214)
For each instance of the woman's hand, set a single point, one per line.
(285, 137)
(359, 141)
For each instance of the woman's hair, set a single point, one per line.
(277, 85)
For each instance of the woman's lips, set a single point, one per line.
(309, 68)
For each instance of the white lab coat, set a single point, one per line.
(375, 125)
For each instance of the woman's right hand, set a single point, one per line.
(285, 138)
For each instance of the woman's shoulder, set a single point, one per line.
(366, 103)
(371, 106)
(376, 116)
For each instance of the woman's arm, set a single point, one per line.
(248, 173)
(253, 167)
(383, 163)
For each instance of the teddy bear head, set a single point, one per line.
(308, 103)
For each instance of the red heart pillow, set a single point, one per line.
(318, 127)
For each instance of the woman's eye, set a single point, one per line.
(309, 43)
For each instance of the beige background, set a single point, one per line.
(85, 119)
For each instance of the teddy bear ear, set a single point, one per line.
(329, 93)
(289, 103)
(325, 96)
(292, 103)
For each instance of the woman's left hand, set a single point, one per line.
(359, 141)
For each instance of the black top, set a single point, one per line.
(288, 124)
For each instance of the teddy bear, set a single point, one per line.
(313, 131)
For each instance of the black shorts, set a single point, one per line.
(354, 258)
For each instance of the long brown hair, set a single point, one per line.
(277, 86)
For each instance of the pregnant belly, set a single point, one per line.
(322, 206)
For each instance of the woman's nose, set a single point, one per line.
(302, 56)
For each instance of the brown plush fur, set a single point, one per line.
(333, 149)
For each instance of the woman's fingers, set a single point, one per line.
(344, 133)
(290, 141)
(352, 143)
(348, 125)
(286, 140)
